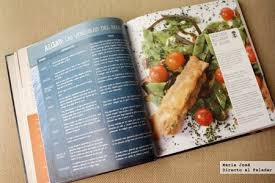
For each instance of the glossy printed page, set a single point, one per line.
(90, 107)
(181, 74)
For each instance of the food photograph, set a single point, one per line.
(182, 81)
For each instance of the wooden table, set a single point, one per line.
(25, 22)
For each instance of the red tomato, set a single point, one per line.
(218, 76)
(174, 61)
(158, 74)
(259, 81)
(204, 117)
(227, 13)
(251, 54)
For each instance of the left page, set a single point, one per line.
(83, 107)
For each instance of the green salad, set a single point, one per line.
(168, 44)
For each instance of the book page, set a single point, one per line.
(242, 86)
(195, 91)
(83, 100)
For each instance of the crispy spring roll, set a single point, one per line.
(179, 98)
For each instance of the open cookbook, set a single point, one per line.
(106, 94)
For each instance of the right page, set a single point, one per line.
(200, 75)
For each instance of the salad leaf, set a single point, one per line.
(216, 27)
(236, 22)
(222, 116)
(186, 25)
(228, 104)
(199, 45)
(219, 94)
(153, 46)
(208, 41)
(205, 54)
(213, 65)
(213, 106)
(218, 112)
(200, 103)
(156, 88)
(185, 49)
(243, 34)
(174, 25)
(161, 37)
(148, 35)
(157, 45)
(154, 99)
(221, 98)
(186, 20)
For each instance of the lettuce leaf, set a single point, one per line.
(156, 88)
(157, 45)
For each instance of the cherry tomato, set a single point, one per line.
(203, 116)
(219, 76)
(259, 81)
(174, 61)
(251, 54)
(227, 13)
(158, 74)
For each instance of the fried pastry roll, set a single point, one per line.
(179, 98)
